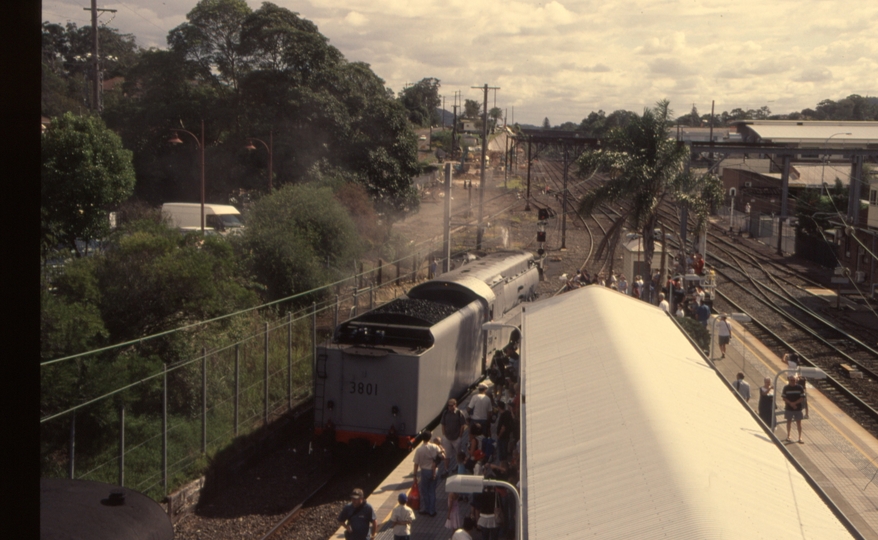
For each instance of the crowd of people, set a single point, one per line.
(482, 440)
(671, 296)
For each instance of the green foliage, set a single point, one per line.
(66, 64)
(297, 239)
(471, 108)
(212, 39)
(155, 279)
(814, 209)
(245, 74)
(598, 124)
(495, 114)
(85, 173)
(647, 169)
(422, 102)
(696, 331)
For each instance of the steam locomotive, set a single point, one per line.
(387, 373)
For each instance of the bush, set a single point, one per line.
(298, 239)
(696, 331)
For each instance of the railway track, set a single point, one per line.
(787, 317)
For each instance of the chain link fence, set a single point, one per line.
(148, 415)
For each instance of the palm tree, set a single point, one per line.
(647, 168)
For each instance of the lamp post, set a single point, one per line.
(200, 143)
(463, 483)
(813, 372)
(269, 147)
(740, 317)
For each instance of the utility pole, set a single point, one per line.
(479, 231)
(96, 103)
(454, 133)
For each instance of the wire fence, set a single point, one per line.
(764, 227)
(149, 414)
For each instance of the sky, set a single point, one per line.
(562, 60)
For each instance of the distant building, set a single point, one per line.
(814, 170)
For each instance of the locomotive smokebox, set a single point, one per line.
(99, 511)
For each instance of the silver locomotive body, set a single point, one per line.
(390, 371)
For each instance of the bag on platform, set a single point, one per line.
(414, 498)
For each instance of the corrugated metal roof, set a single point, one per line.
(815, 133)
(629, 433)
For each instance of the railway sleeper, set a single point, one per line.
(851, 372)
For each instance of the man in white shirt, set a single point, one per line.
(427, 459)
(480, 407)
(663, 304)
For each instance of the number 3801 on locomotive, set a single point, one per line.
(387, 373)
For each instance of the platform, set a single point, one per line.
(838, 453)
(384, 499)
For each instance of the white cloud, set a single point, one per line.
(356, 19)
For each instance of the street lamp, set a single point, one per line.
(740, 317)
(812, 372)
(200, 143)
(269, 147)
(464, 483)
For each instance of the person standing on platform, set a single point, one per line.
(663, 304)
(804, 384)
(357, 516)
(427, 458)
(453, 423)
(480, 407)
(465, 533)
(702, 313)
(487, 523)
(698, 264)
(723, 334)
(791, 360)
(505, 428)
(766, 401)
(793, 396)
(742, 386)
(402, 517)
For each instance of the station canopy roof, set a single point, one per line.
(630, 433)
(812, 133)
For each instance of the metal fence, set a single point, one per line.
(148, 415)
(760, 226)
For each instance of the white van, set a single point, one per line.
(221, 218)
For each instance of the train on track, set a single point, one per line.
(386, 374)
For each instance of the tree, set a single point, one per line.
(594, 125)
(66, 66)
(85, 173)
(546, 123)
(495, 114)
(297, 239)
(212, 39)
(694, 117)
(649, 170)
(471, 108)
(422, 102)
